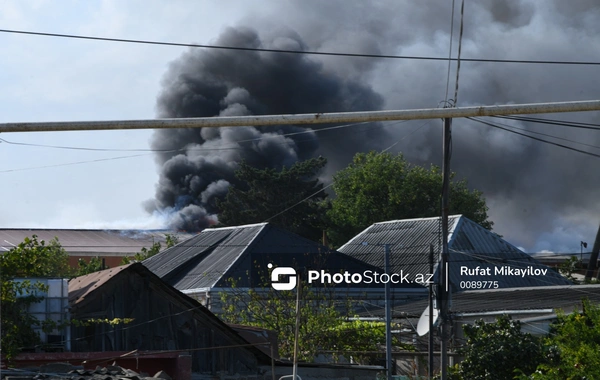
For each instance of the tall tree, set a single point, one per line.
(31, 258)
(265, 193)
(378, 187)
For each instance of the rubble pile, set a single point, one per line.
(66, 371)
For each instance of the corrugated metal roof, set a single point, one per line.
(90, 241)
(562, 297)
(82, 286)
(243, 253)
(470, 246)
(202, 260)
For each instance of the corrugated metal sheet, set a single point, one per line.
(470, 246)
(202, 260)
(93, 241)
(243, 253)
(563, 297)
(410, 238)
(80, 287)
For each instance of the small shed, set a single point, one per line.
(159, 317)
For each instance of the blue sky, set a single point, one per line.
(54, 79)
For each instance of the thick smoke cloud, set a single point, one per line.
(540, 196)
(199, 164)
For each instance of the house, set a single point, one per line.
(478, 258)
(205, 265)
(109, 245)
(129, 308)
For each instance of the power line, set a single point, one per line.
(460, 37)
(547, 135)
(571, 124)
(308, 52)
(307, 131)
(536, 138)
(74, 163)
(163, 150)
(450, 52)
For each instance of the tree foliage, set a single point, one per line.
(170, 240)
(86, 267)
(378, 187)
(573, 346)
(143, 254)
(324, 325)
(31, 258)
(265, 193)
(498, 351)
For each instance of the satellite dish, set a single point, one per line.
(423, 325)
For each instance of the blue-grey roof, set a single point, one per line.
(243, 253)
(557, 297)
(470, 246)
(202, 260)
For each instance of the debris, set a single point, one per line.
(66, 371)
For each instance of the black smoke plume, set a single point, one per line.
(205, 83)
(540, 196)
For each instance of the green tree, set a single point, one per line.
(143, 254)
(568, 267)
(86, 267)
(378, 187)
(324, 324)
(498, 351)
(264, 193)
(31, 258)
(572, 347)
(170, 241)
(276, 310)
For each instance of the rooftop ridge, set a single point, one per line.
(417, 219)
(236, 227)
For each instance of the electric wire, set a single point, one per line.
(536, 138)
(308, 52)
(74, 163)
(165, 150)
(307, 131)
(545, 134)
(571, 124)
(450, 52)
(460, 37)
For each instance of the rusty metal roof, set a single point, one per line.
(115, 242)
(469, 244)
(80, 287)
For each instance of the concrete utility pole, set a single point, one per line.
(444, 287)
(592, 264)
(316, 118)
(388, 315)
(430, 354)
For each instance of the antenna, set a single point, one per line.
(423, 324)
